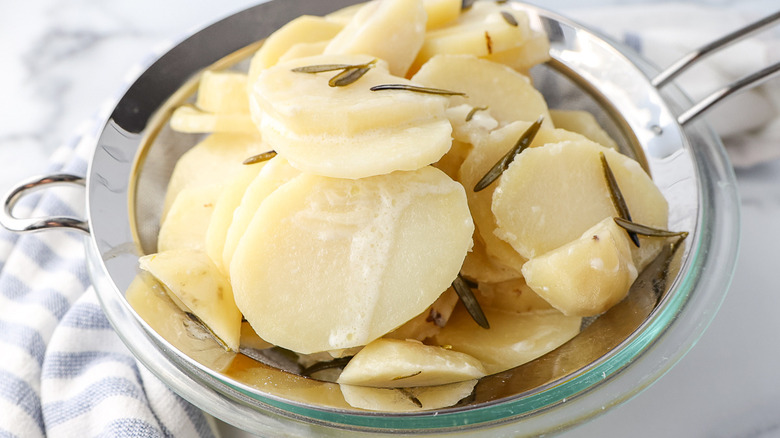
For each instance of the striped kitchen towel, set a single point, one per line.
(63, 370)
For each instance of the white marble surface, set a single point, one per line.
(62, 60)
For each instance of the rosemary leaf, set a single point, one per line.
(196, 319)
(321, 68)
(348, 76)
(259, 158)
(411, 396)
(473, 111)
(465, 4)
(509, 18)
(417, 89)
(406, 377)
(522, 143)
(320, 366)
(470, 302)
(648, 231)
(617, 196)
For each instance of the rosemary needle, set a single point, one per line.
(416, 88)
(259, 158)
(470, 302)
(617, 196)
(522, 143)
(648, 231)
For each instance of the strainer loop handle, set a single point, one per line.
(25, 225)
(744, 83)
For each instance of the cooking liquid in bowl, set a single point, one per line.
(585, 73)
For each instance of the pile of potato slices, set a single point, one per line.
(341, 192)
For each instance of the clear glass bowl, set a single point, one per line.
(130, 168)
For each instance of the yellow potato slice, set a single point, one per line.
(223, 92)
(222, 216)
(508, 95)
(510, 296)
(212, 161)
(584, 123)
(392, 30)
(479, 31)
(334, 263)
(429, 322)
(190, 120)
(512, 340)
(407, 399)
(274, 173)
(480, 267)
(535, 50)
(395, 363)
(587, 276)
(188, 219)
(304, 50)
(550, 195)
(439, 12)
(349, 131)
(196, 286)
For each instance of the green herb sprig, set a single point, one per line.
(416, 89)
(470, 302)
(617, 196)
(522, 144)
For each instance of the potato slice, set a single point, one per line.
(549, 196)
(510, 296)
(479, 31)
(429, 322)
(392, 30)
(274, 173)
(587, 276)
(439, 12)
(512, 340)
(334, 263)
(191, 120)
(304, 50)
(471, 124)
(222, 216)
(407, 399)
(394, 363)
(508, 95)
(196, 286)
(584, 123)
(535, 50)
(480, 267)
(188, 220)
(349, 131)
(304, 29)
(212, 161)
(223, 92)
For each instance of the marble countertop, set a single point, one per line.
(63, 60)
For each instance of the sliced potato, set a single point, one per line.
(223, 92)
(334, 263)
(550, 195)
(429, 322)
(587, 276)
(480, 267)
(584, 123)
(188, 220)
(407, 399)
(508, 95)
(394, 363)
(441, 12)
(304, 50)
(512, 340)
(212, 161)
(191, 120)
(196, 286)
(392, 30)
(535, 50)
(510, 296)
(273, 174)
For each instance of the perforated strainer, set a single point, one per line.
(614, 358)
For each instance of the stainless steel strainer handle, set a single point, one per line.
(741, 84)
(24, 225)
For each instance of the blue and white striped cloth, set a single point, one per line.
(63, 370)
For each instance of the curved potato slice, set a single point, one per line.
(407, 399)
(550, 195)
(196, 286)
(334, 263)
(188, 220)
(395, 363)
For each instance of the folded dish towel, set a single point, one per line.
(749, 122)
(64, 372)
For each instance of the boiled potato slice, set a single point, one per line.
(273, 174)
(394, 363)
(510, 296)
(583, 123)
(392, 30)
(535, 50)
(335, 263)
(480, 267)
(439, 12)
(430, 321)
(304, 29)
(222, 216)
(470, 124)
(481, 158)
(222, 92)
(191, 120)
(188, 220)
(407, 399)
(212, 161)
(349, 131)
(479, 31)
(508, 95)
(196, 286)
(512, 340)
(587, 276)
(550, 195)
(450, 162)
(304, 50)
